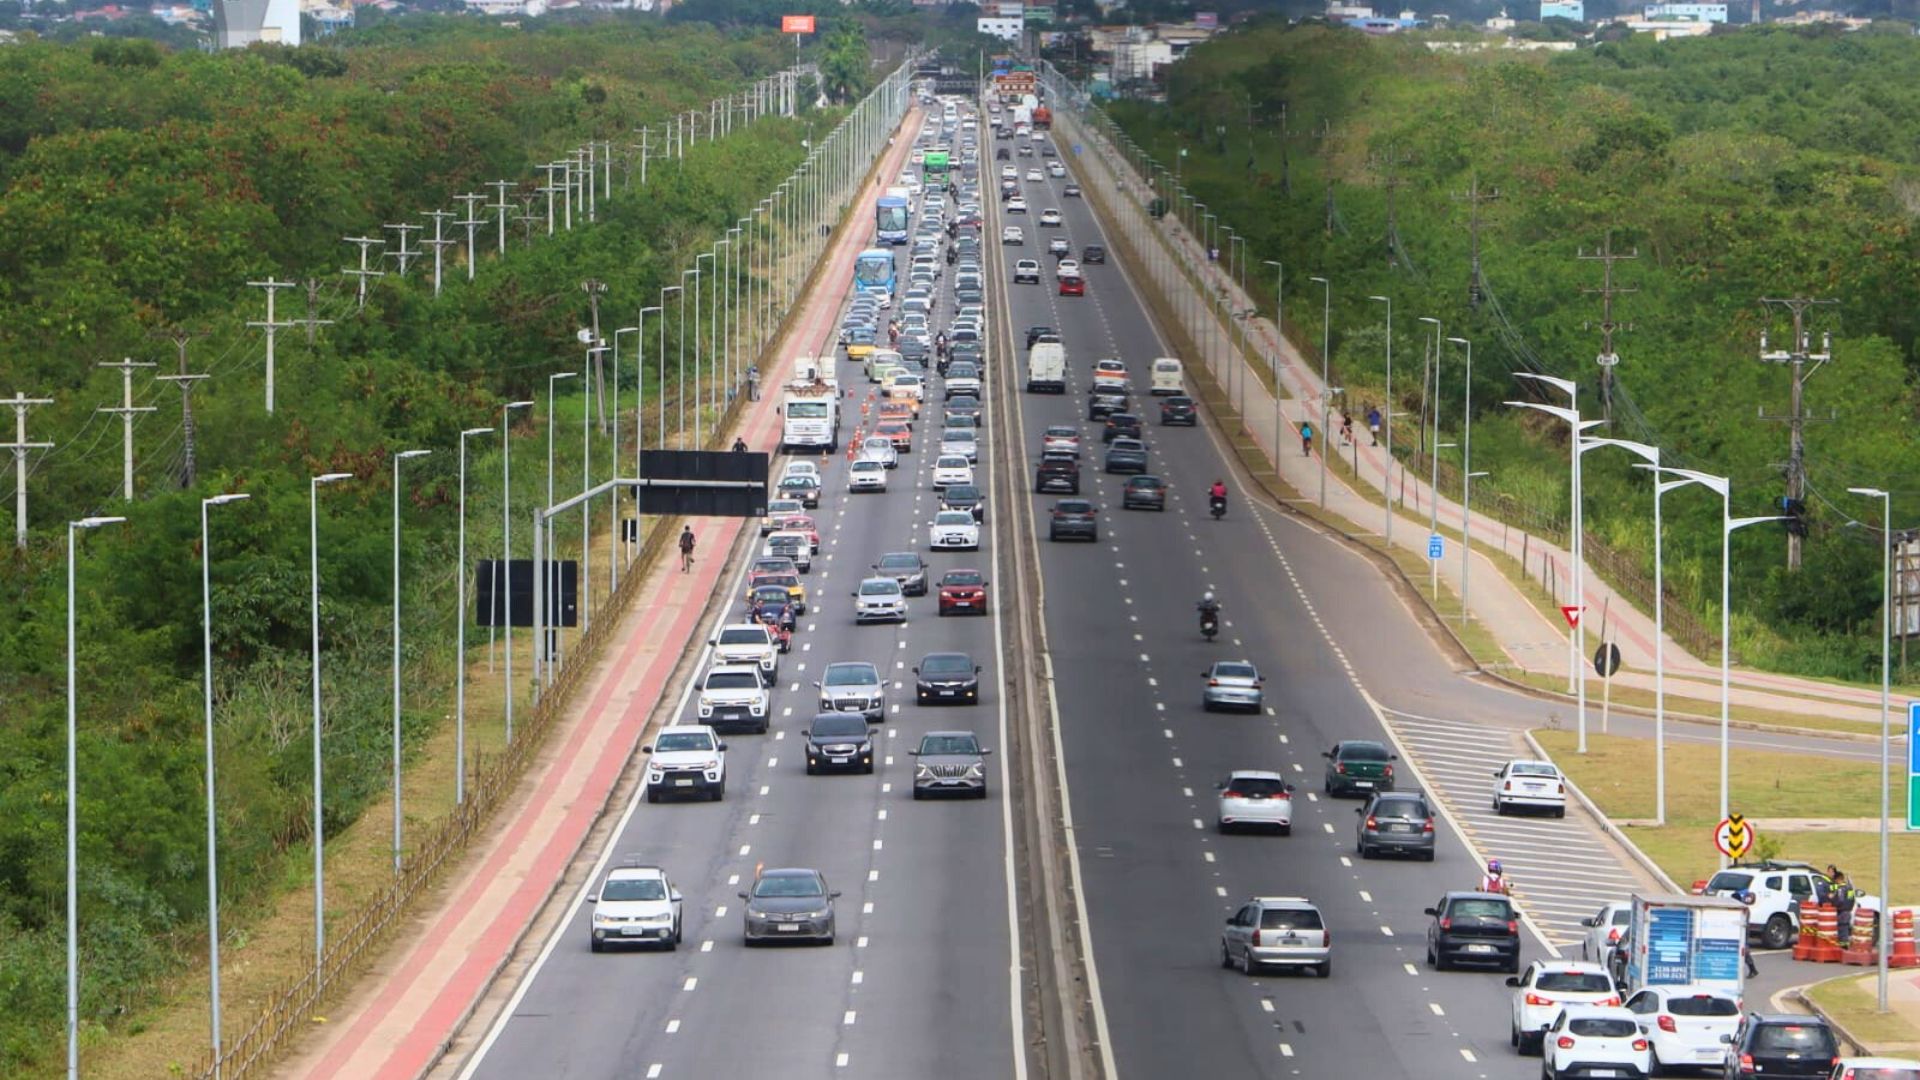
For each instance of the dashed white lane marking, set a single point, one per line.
(673, 1027)
(847, 1020)
(753, 819)
(1366, 896)
(1327, 825)
(1266, 1004)
(748, 848)
(720, 912)
(1286, 1050)
(866, 909)
(1437, 1010)
(1411, 970)
(653, 1071)
(691, 982)
(1177, 764)
(859, 977)
(840, 1061)
(1468, 1054)
(860, 943)
(1386, 931)
(764, 788)
(706, 946)
(1198, 824)
(1207, 855)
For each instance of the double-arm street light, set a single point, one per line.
(1651, 456)
(319, 788)
(503, 577)
(1386, 475)
(460, 632)
(73, 813)
(1466, 481)
(206, 683)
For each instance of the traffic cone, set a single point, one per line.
(1803, 945)
(1826, 948)
(1859, 948)
(1902, 955)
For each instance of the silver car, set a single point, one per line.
(879, 599)
(789, 905)
(950, 762)
(1252, 798)
(1277, 931)
(1232, 684)
(853, 686)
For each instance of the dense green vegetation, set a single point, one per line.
(1757, 164)
(140, 191)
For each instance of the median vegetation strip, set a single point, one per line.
(1854, 1003)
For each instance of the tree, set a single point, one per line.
(845, 64)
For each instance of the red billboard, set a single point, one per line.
(796, 24)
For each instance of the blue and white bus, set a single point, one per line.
(890, 220)
(873, 273)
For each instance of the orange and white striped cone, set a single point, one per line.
(1826, 948)
(1803, 945)
(1859, 950)
(1902, 955)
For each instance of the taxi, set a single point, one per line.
(1109, 371)
(899, 432)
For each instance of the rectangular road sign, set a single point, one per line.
(1913, 766)
(1436, 546)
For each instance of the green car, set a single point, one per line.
(1358, 767)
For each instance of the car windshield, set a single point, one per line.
(953, 517)
(869, 466)
(839, 726)
(962, 492)
(1810, 1040)
(851, 675)
(744, 636)
(1070, 506)
(1290, 919)
(1574, 982)
(879, 588)
(947, 664)
(1703, 1005)
(634, 889)
(949, 744)
(1258, 785)
(733, 680)
(961, 577)
(788, 885)
(957, 435)
(900, 562)
(1144, 482)
(1603, 1027)
(1729, 881)
(1533, 768)
(1362, 751)
(1480, 909)
(1235, 671)
(686, 740)
(954, 462)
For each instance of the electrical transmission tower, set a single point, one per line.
(438, 243)
(1797, 356)
(502, 207)
(1392, 182)
(1608, 358)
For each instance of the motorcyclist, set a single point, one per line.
(1494, 881)
(1209, 612)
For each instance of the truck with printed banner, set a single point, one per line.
(1685, 941)
(810, 407)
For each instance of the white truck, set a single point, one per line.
(808, 370)
(1047, 368)
(810, 416)
(1685, 941)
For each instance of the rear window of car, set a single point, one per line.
(1603, 1027)
(1236, 671)
(1402, 808)
(1703, 1005)
(1811, 1039)
(1574, 982)
(1477, 908)
(1362, 752)
(1290, 919)
(1258, 785)
(745, 635)
(1534, 769)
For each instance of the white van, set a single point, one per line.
(1047, 368)
(1166, 376)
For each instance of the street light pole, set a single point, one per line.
(1432, 394)
(460, 633)
(397, 816)
(1650, 455)
(543, 655)
(1466, 483)
(319, 790)
(1326, 342)
(613, 455)
(697, 441)
(73, 814)
(1886, 726)
(503, 576)
(1279, 346)
(1386, 474)
(680, 384)
(213, 861)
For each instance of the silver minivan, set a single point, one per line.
(1277, 931)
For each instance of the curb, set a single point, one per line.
(1682, 717)
(1798, 995)
(1606, 824)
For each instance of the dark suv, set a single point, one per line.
(1073, 518)
(1120, 425)
(1093, 253)
(1474, 927)
(1178, 410)
(1038, 333)
(1058, 472)
(1105, 401)
(1358, 765)
(1781, 1045)
(1395, 821)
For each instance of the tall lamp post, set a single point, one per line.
(73, 815)
(545, 648)
(1722, 487)
(1886, 725)
(1466, 479)
(398, 817)
(698, 442)
(460, 633)
(213, 861)
(680, 384)
(614, 454)
(319, 789)
(503, 577)
(1431, 392)
(1386, 474)
(1279, 346)
(1651, 456)
(1326, 342)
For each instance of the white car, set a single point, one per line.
(1585, 1039)
(1026, 272)
(1056, 170)
(1547, 987)
(791, 544)
(1685, 1023)
(778, 509)
(867, 474)
(1603, 930)
(905, 387)
(1067, 268)
(1016, 205)
(879, 448)
(1050, 217)
(951, 470)
(1008, 172)
(1251, 798)
(879, 599)
(953, 530)
(1013, 234)
(732, 694)
(1876, 1068)
(749, 643)
(636, 905)
(800, 468)
(1530, 784)
(686, 759)
(959, 442)
(1034, 177)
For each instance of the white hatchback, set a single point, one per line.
(954, 530)
(1594, 1040)
(1685, 1023)
(1013, 234)
(1529, 784)
(867, 475)
(1603, 930)
(949, 470)
(1547, 987)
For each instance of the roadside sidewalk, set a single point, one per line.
(1534, 642)
(416, 997)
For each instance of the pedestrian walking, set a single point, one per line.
(686, 548)
(1373, 422)
(1306, 439)
(1346, 429)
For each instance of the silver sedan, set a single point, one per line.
(1232, 684)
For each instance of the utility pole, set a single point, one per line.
(1392, 182)
(190, 470)
(127, 410)
(472, 223)
(594, 288)
(549, 189)
(20, 403)
(528, 218)
(270, 327)
(1473, 198)
(438, 243)
(645, 151)
(1608, 359)
(313, 307)
(366, 244)
(1286, 157)
(500, 189)
(401, 255)
(1797, 355)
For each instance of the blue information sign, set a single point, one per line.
(1716, 959)
(1436, 546)
(1669, 937)
(1913, 766)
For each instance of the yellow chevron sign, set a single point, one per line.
(1734, 836)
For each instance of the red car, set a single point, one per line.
(963, 592)
(1073, 286)
(899, 432)
(804, 524)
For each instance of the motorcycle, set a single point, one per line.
(1209, 623)
(1218, 504)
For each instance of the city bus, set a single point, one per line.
(933, 170)
(890, 220)
(873, 273)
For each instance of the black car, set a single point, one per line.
(1073, 519)
(1058, 472)
(913, 351)
(839, 741)
(1039, 333)
(1003, 154)
(1071, 191)
(1106, 400)
(1120, 425)
(1093, 253)
(964, 497)
(905, 567)
(1475, 928)
(1782, 1045)
(1127, 456)
(1144, 493)
(967, 405)
(1358, 765)
(949, 677)
(1178, 410)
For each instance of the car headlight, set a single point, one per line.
(922, 772)
(706, 708)
(975, 770)
(708, 764)
(604, 920)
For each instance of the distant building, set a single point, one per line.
(1713, 13)
(1575, 10)
(240, 23)
(1001, 26)
(534, 8)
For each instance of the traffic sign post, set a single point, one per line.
(1436, 547)
(1913, 766)
(1734, 837)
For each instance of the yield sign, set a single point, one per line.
(1572, 613)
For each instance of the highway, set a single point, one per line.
(921, 979)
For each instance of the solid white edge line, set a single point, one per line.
(1015, 1011)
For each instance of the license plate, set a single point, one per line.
(1399, 828)
(633, 931)
(788, 926)
(1363, 783)
(842, 760)
(963, 603)
(1290, 940)
(683, 783)
(1479, 948)
(1606, 1072)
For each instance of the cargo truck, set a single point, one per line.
(1685, 941)
(810, 413)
